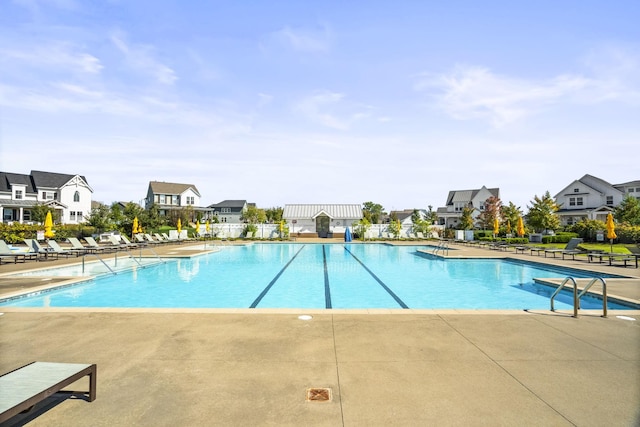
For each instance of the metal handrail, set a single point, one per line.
(575, 295)
(604, 293)
(101, 260)
(442, 246)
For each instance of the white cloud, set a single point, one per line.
(477, 93)
(54, 54)
(331, 110)
(141, 58)
(300, 39)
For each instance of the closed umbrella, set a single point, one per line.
(179, 227)
(48, 226)
(496, 226)
(197, 228)
(611, 230)
(347, 235)
(134, 227)
(520, 227)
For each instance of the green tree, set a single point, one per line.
(431, 216)
(39, 213)
(360, 227)
(117, 215)
(628, 211)
(100, 218)
(373, 212)
(254, 215)
(542, 213)
(274, 215)
(511, 213)
(466, 220)
(492, 207)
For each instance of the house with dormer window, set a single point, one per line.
(591, 198)
(68, 196)
(229, 211)
(168, 196)
(450, 214)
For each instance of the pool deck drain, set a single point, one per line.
(318, 395)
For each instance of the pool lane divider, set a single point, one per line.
(386, 288)
(327, 289)
(274, 280)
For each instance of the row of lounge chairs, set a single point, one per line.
(570, 250)
(37, 251)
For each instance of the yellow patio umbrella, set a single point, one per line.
(179, 226)
(611, 230)
(496, 226)
(48, 226)
(207, 227)
(520, 227)
(134, 227)
(281, 227)
(197, 228)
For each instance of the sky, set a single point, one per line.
(282, 102)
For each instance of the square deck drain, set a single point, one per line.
(318, 394)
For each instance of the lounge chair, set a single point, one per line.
(7, 254)
(98, 247)
(26, 386)
(160, 238)
(60, 251)
(571, 248)
(82, 249)
(128, 242)
(38, 249)
(151, 240)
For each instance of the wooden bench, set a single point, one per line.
(24, 387)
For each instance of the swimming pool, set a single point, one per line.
(319, 276)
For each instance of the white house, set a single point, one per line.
(449, 215)
(592, 198)
(321, 220)
(69, 196)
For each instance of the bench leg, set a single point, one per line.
(93, 380)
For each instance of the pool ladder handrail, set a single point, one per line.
(101, 260)
(442, 246)
(576, 296)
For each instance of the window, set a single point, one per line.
(223, 219)
(579, 201)
(175, 200)
(79, 216)
(47, 195)
(572, 201)
(191, 200)
(225, 210)
(631, 190)
(162, 199)
(72, 215)
(609, 200)
(18, 194)
(26, 215)
(576, 190)
(76, 196)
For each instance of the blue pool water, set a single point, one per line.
(319, 276)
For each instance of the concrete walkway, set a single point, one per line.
(383, 367)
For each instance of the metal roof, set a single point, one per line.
(341, 211)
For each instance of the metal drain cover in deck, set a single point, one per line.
(318, 394)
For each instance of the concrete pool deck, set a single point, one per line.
(384, 367)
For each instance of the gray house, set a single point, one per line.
(229, 211)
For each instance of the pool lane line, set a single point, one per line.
(327, 289)
(386, 288)
(274, 280)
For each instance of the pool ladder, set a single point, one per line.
(443, 246)
(576, 295)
